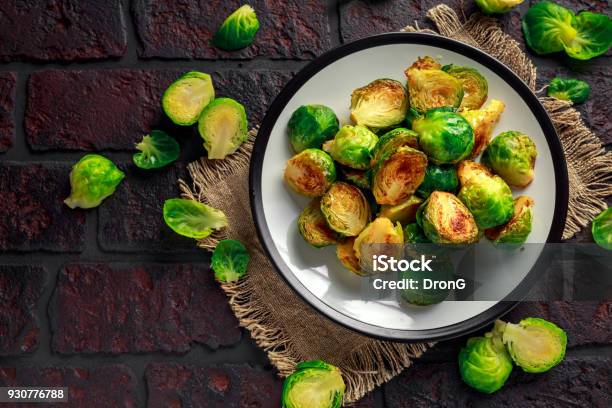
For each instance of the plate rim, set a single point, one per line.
(255, 175)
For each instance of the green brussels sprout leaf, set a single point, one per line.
(569, 89)
(497, 6)
(223, 126)
(92, 179)
(186, 98)
(310, 172)
(310, 126)
(313, 384)
(230, 260)
(192, 219)
(156, 150)
(238, 30)
(602, 229)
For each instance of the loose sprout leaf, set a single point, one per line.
(497, 6)
(92, 179)
(223, 127)
(602, 229)
(230, 260)
(593, 38)
(156, 150)
(238, 30)
(313, 384)
(186, 98)
(569, 89)
(192, 219)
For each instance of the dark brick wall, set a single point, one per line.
(110, 302)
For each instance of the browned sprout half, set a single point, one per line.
(430, 87)
(467, 169)
(313, 227)
(515, 231)
(310, 172)
(397, 176)
(475, 86)
(446, 220)
(393, 140)
(346, 209)
(380, 231)
(483, 122)
(346, 255)
(380, 104)
(404, 212)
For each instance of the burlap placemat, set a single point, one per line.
(291, 331)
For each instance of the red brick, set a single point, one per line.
(111, 109)
(61, 30)
(32, 213)
(8, 81)
(99, 387)
(288, 29)
(20, 290)
(227, 385)
(114, 308)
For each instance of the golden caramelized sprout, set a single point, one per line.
(310, 172)
(404, 212)
(446, 220)
(475, 86)
(313, 227)
(346, 209)
(512, 156)
(483, 121)
(393, 140)
(430, 87)
(346, 255)
(379, 231)
(397, 176)
(467, 169)
(380, 104)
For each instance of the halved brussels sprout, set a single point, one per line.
(379, 231)
(352, 146)
(430, 87)
(446, 220)
(313, 227)
(512, 156)
(442, 270)
(602, 229)
(92, 179)
(475, 86)
(380, 104)
(310, 126)
(223, 126)
(535, 345)
(360, 178)
(468, 169)
(310, 172)
(497, 6)
(413, 234)
(569, 89)
(186, 98)
(393, 140)
(515, 231)
(397, 176)
(446, 137)
(313, 384)
(238, 30)
(438, 178)
(488, 198)
(404, 212)
(346, 255)
(346, 209)
(483, 121)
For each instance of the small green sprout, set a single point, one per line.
(310, 126)
(238, 30)
(93, 178)
(313, 384)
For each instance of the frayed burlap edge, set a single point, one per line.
(589, 166)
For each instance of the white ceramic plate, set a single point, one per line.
(316, 274)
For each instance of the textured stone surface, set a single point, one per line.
(8, 82)
(20, 290)
(288, 29)
(32, 213)
(61, 29)
(112, 109)
(575, 382)
(231, 386)
(98, 387)
(153, 307)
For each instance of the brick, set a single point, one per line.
(228, 385)
(61, 30)
(111, 109)
(20, 290)
(32, 213)
(291, 29)
(98, 387)
(8, 82)
(575, 382)
(113, 308)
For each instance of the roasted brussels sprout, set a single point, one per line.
(515, 231)
(223, 126)
(360, 178)
(192, 219)
(92, 179)
(393, 140)
(313, 384)
(442, 270)
(549, 27)
(345, 209)
(396, 176)
(238, 30)
(488, 198)
(497, 6)
(569, 89)
(483, 121)
(310, 126)
(310, 172)
(475, 86)
(512, 156)
(379, 231)
(484, 363)
(313, 227)
(380, 104)
(446, 137)
(534, 344)
(156, 150)
(446, 220)
(352, 146)
(602, 229)
(413, 234)
(346, 255)
(430, 87)
(186, 98)
(467, 169)
(438, 178)
(404, 212)
(229, 261)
